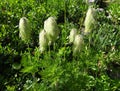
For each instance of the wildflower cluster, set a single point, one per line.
(51, 31)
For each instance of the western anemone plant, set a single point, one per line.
(90, 20)
(77, 44)
(43, 41)
(77, 40)
(72, 35)
(49, 34)
(51, 28)
(25, 29)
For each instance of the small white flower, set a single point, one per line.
(25, 29)
(89, 1)
(51, 28)
(77, 44)
(72, 35)
(90, 20)
(43, 41)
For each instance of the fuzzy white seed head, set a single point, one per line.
(43, 41)
(24, 29)
(90, 20)
(72, 35)
(77, 44)
(51, 28)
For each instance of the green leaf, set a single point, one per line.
(29, 69)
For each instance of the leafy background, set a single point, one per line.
(24, 68)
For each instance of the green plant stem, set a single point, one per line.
(49, 50)
(64, 21)
(54, 45)
(29, 52)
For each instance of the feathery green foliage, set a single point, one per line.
(24, 68)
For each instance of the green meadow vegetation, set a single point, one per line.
(95, 67)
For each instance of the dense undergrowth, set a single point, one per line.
(24, 68)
